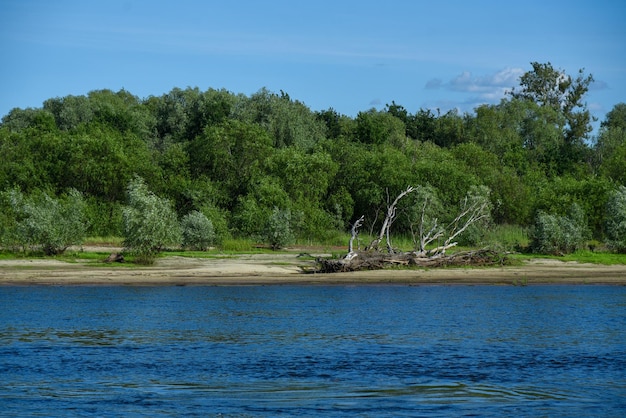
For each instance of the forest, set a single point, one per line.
(259, 163)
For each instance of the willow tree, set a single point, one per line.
(150, 223)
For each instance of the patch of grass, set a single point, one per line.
(507, 237)
(333, 239)
(238, 245)
(111, 241)
(581, 256)
(587, 256)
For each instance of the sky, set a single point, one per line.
(350, 55)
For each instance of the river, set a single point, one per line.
(374, 351)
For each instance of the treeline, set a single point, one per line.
(237, 159)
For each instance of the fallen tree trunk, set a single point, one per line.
(474, 208)
(376, 260)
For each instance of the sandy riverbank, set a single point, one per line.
(285, 268)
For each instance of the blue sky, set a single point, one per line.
(349, 55)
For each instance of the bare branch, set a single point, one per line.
(472, 212)
(475, 207)
(354, 232)
(391, 215)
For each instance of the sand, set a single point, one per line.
(285, 268)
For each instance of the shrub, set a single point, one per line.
(198, 232)
(150, 223)
(278, 232)
(558, 235)
(46, 223)
(616, 220)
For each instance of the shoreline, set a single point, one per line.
(285, 269)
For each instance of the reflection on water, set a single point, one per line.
(313, 350)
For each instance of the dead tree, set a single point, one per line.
(354, 233)
(472, 211)
(389, 218)
(474, 208)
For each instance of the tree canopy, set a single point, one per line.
(241, 160)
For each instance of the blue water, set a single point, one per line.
(313, 350)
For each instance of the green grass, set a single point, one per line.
(111, 241)
(586, 256)
(581, 256)
(502, 238)
(507, 237)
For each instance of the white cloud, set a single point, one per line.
(488, 85)
(478, 89)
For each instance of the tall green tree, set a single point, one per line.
(610, 148)
(376, 127)
(289, 122)
(553, 88)
(230, 154)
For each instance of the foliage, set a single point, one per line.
(197, 231)
(278, 232)
(150, 223)
(374, 127)
(46, 223)
(556, 235)
(235, 157)
(616, 220)
(552, 88)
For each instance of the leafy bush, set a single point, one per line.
(46, 223)
(198, 232)
(616, 220)
(150, 223)
(553, 234)
(278, 231)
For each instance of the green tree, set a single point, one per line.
(512, 199)
(337, 125)
(376, 127)
(252, 210)
(558, 235)
(47, 223)
(278, 231)
(18, 120)
(450, 129)
(558, 91)
(70, 111)
(122, 112)
(197, 231)
(610, 148)
(556, 196)
(231, 155)
(304, 176)
(616, 220)
(150, 223)
(423, 126)
(289, 122)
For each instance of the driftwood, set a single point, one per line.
(377, 260)
(473, 209)
(115, 258)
